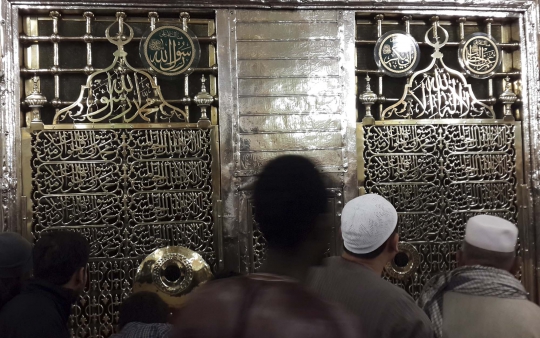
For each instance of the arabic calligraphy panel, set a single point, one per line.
(169, 143)
(76, 145)
(440, 95)
(128, 191)
(76, 177)
(438, 176)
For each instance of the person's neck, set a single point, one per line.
(286, 263)
(376, 264)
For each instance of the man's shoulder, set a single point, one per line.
(27, 305)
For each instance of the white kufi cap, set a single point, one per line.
(367, 222)
(491, 233)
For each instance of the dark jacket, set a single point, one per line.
(41, 310)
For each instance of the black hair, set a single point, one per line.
(375, 253)
(143, 307)
(289, 196)
(58, 255)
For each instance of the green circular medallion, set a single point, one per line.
(169, 50)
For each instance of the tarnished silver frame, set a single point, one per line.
(10, 94)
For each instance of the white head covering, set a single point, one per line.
(491, 233)
(367, 222)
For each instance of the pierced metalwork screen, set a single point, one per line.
(442, 144)
(438, 176)
(109, 150)
(128, 192)
(63, 48)
(388, 90)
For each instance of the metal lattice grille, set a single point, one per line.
(128, 191)
(110, 151)
(438, 176)
(440, 145)
(63, 48)
(388, 89)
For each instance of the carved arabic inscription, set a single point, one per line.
(397, 54)
(437, 176)
(479, 55)
(438, 91)
(169, 50)
(120, 93)
(128, 191)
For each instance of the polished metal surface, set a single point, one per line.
(172, 272)
(292, 93)
(287, 85)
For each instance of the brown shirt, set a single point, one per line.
(384, 310)
(261, 306)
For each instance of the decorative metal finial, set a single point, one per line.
(35, 100)
(184, 16)
(368, 98)
(508, 97)
(203, 99)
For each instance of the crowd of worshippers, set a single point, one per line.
(299, 294)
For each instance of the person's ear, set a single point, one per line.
(516, 265)
(80, 278)
(394, 243)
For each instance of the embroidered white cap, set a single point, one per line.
(491, 233)
(367, 222)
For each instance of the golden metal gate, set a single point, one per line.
(135, 162)
(122, 166)
(434, 149)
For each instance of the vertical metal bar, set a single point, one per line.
(462, 21)
(184, 16)
(153, 17)
(489, 21)
(3, 59)
(407, 20)
(212, 83)
(348, 78)
(11, 93)
(380, 18)
(528, 62)
(88, 38)
(228, 85)
(56, 59)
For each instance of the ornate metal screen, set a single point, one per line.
(439, 154)
(121, 164)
